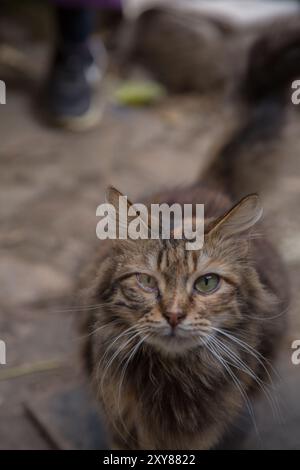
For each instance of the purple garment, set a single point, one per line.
(113, 4)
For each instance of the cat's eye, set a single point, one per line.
(207, 284)
(147, 282)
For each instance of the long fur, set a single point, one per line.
(160, 397)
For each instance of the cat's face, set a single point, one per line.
(176, 297)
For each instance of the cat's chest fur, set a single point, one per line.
(168, 404)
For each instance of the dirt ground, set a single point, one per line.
(50, 185)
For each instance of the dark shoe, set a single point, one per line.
(69, 91)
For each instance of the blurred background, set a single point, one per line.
(133, 94)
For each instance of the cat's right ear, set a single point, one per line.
(121, 204)
(113, 195)
(126, 213)
(240, 218)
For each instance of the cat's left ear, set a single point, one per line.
(240, 218)
(113, 196)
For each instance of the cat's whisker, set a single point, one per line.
(82, 308)
(98, 329)
(192, 327)
(236, 381)
(121, 348)
(132, 353)
(102, 359)
(236, 358)
(274, 403)
(126, 332)
(256, 354)
(253, 317)
(267, 362)
(241, 365)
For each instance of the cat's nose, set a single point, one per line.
(174, 317)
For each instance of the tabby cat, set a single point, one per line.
(174, 341)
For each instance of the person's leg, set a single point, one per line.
(69, 86)
(74, 24)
